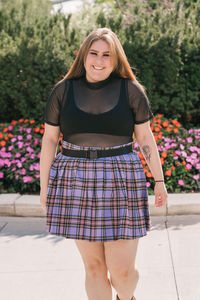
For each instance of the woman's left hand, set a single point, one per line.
(160, 194)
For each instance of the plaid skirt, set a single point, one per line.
(102, 199)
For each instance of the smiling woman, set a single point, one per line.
(95, 191)
(99, 62)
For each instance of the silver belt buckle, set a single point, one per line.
(93, 154)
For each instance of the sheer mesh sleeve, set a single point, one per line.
(139, 103)
(53, 105)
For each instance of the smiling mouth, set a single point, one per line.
(98, 68)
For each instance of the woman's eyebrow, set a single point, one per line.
(98, 51)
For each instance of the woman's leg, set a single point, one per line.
(120, 259)
(97, 284)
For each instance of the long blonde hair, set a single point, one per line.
(121, 65)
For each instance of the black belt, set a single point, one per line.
(94, 153)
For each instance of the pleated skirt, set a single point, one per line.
(102, 199)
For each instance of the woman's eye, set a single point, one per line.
(93, 53)
(106, 55)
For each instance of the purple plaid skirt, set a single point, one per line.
(102, 199)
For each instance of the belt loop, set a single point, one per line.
(93, 154)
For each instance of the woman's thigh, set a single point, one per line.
(93, 256)
(120, 255)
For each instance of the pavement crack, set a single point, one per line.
(173, 268)
(3, 226)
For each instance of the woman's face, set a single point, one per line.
(99, 62)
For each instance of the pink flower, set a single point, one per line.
(31, 168)
(19, 165)
(28, 130)
(10, 148)
(189, 140)
(20, 137)
(38, 155)
(148, 184)
(13, 169)
(189, 166)
(29, 137)
(35, 141)
(17, 155)
(10, 127)
(181, 182)
(27, 179)
(29, 149)
(1, 174)
(13, 140)
(196, 177)
(37, 166)
(182, 147)
(23, 171)
(20, 145)
(32, 156)
(197, 166)
(37, 175)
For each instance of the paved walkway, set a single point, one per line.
(35, 265)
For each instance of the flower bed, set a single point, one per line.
(20, 143)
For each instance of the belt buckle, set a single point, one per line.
(93, 154)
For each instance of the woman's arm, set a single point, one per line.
(147, 144)
(48, 152)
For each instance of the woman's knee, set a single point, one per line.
(95, 268)
(124, 272)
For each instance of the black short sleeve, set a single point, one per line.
(53, 105)
(139, 103)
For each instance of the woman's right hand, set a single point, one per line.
(43, 198)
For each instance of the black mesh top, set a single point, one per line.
(97, 114)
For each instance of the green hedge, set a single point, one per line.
(162, 43)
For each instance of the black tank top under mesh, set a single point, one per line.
(97, 114)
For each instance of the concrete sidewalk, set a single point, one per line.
(29, 205)
(35, 265)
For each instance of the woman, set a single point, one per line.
(94, 191)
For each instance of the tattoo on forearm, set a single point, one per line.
(147, 152)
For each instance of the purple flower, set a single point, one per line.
(181, 182)
(1, 174)
(27, 179)
(196, 177)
